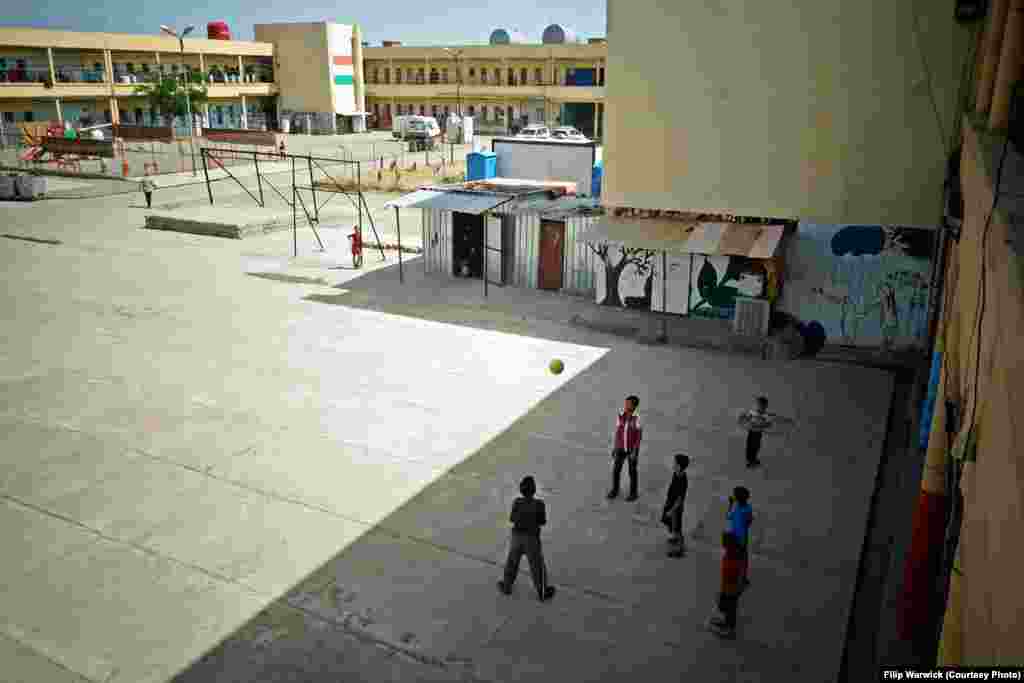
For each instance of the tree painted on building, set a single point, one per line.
(642, 261)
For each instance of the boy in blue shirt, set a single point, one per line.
(739, 518)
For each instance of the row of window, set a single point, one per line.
(493, 76)
(9, 64)
(494, 112)
(219, 114)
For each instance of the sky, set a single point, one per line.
(453, 22)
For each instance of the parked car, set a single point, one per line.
(407, 126)
(534, 131)
(568, 133)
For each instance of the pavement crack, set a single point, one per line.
(100, 535)
(36, 240)
(5, 633)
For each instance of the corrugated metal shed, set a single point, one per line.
(551, 208)
(521, 216)
(474, 203)
(437, 242)
(579, 259)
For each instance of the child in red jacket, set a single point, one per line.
(724, 626)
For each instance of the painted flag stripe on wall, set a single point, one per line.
(342, 68)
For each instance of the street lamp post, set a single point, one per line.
(188, 86)
(457, 56)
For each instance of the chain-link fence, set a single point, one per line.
(125, 159)
(387, 164)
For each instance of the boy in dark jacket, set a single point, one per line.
(528, 516)
(672, 513)
(724, 626)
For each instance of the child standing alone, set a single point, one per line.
(756, 421)
(626, 446)
(672, 513)
(147, 189)
(528, 516)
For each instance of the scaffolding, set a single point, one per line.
(215, 157)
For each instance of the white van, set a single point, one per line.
(422, 127)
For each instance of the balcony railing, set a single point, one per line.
(136, 77)
(79, 75)
(259, 74)
(250, 75)
(26, 75)
(476, 83)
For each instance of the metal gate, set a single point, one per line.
(494, 254)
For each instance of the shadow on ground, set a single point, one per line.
(414, 598)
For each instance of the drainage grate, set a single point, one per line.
(37, 240)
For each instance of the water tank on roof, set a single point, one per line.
(218, 30)
(500, 36)
(557, 35)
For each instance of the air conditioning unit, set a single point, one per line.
(751, 316)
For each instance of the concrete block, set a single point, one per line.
(7, 187)
(30, 187)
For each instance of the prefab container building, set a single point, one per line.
(528, 240)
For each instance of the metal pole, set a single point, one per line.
(259, 180)
(398, 225)
(295, 219)
(206, 174)
(312, 187)
(458, 85)
(188, 104)
(359, 190)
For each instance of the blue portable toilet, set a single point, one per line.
(481, 165)
(595, 183)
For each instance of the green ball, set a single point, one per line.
(556, 367)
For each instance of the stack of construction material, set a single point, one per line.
(30, 187)
(7, 187)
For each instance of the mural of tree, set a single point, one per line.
(641, 259)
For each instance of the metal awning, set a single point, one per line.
(713, 239)
(474, 203)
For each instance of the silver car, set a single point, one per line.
(568, 133)
(534, 131)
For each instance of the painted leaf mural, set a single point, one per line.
(707, 281)
(717, 297)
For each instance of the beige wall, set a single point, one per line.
(817, 110)
(301, 65)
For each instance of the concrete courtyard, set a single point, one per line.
(221, 463)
